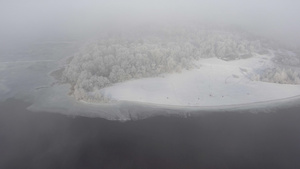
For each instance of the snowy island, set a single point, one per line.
(163, 70)
(182, 66)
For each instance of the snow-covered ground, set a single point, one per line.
(214, 83)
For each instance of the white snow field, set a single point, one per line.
(215, 83)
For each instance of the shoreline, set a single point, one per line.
(132, 111)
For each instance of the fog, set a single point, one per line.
(191, 98)
(33, 19)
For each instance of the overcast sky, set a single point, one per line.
(275, 18)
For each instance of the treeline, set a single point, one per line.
(278, 75)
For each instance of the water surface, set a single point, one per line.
(214, 140)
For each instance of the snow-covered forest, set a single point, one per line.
(119, 57)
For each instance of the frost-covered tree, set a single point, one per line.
(278, 75)
(116, 58)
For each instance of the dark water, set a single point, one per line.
(212, 141)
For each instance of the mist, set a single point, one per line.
(149, 84)
(34, 19)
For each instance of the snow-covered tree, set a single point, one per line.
(115, 58)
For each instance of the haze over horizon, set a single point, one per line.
(35, 19)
